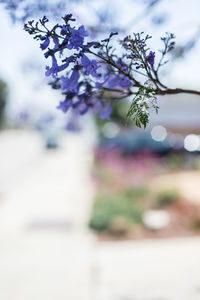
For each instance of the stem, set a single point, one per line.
(113, 90)
(169, 91)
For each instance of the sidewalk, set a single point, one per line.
(149, 270)
(44, 242)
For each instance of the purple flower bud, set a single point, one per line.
(45, 44)
(105, 114)
(56, 42)
(65, 105)
(76, 40)
(64, 30)
(125, 82)
(113, 82)
(100, 84)
(71, 84)
(150, 58)
(90, 66)
(55, 69)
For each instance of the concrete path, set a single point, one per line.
(149, 270)
(44, 243)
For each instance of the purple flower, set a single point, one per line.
(90, 66)
(56, 42)
(110, 36)
(105, 114)
(100, 84)
(77, 103)
(68, 17)
(122, 65)
(76, 40)
(89, 103)
(125, 82)
(55, 69)
(83, 109)
(150, 58)
(97, 105)
(71, 84)
(73, 123)
(64, 30)
(45, 44)
(113, 82)
(65, 105)
(92, 44)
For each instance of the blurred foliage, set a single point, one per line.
(196, 223)
(119, 226)
(167, 197)
(3, 96)
(117, 212)
(196, 163)
(119, 112)
(175, 161)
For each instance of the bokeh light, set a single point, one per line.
(192, 142)
(159, 133)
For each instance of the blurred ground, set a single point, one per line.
(187, 183)
(151, 270)
(46, 251)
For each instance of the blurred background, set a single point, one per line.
(95, 209)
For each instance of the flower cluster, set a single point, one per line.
(89, 73)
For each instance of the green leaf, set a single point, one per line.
(139, 109)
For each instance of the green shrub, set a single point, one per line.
(196, 163)
(167, 197)
(120, 225)
(124, 205)
(195, 225)
(174, 161)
